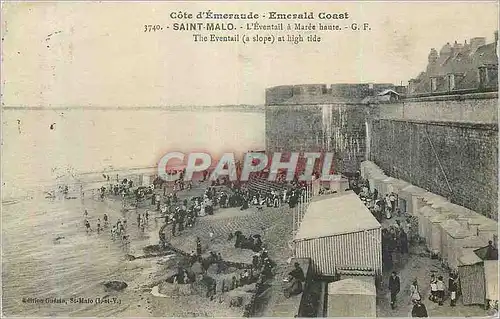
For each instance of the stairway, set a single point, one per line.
(258, 184)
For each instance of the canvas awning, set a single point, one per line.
(352, 286)
(335, 214)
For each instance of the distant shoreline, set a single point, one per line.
(234, 108)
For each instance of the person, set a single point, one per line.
(392, 200)
(491, 252)
(244, 277)
(394, 288)
(113, 232)
(419, 310)
(434, 294)
(440, 290)
(198, 246)
(414, 291)
(297, 272)
(98, 225)
(453, 287)
(403, 239)
(87, 226)
(105, 218)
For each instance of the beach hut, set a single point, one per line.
(396, 186)
(375, 180)
(491, 279)
(484, 227)
(352, 298)
(425, 224)
(451, 231)
(339, 231)
(434, 243)
(472, 283)
(488, 230)
(388, 185)
(459, 245)
(410, 194)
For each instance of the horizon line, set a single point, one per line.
(242, 106)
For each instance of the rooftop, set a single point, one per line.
(336, 214)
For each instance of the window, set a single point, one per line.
(451, 82)
(433, 84)
(483, 77)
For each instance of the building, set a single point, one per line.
(472, 65)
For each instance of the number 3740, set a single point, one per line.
(152, 27)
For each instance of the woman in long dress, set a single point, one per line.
(414, 292)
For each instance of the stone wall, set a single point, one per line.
(333, 128)
(470, 108)
(456, 160)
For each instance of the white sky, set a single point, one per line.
(102, 57)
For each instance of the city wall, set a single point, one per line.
(337, 128)
(445, 144)
(456, 160)
(469, 108)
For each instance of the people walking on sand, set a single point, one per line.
(392, 201)
(440, 290)
(394, 288)
(122, 228)
(113, 232)
(198, 246)
(414, 291)
(419, 310)
(434, 291)
(453, 287)
(403, 239)
(87, 226)
(106, 222)
(98, 225)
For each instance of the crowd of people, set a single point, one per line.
(437, 287)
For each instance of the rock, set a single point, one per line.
(115, 285)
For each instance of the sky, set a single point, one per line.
(97, 54)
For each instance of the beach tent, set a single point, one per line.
(451, 230)
(434, 244)
(410, 194)
(339, 231)
(484, 227)
(375, 179)
(352, 298)
(472, 283)
(459, 245)
(378, 183)
(425, 224)
(478, 276)
(488, 230)
(491, 279)
(386, 187)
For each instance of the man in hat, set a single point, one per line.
(394, 287)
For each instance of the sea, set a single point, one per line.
(47, 256)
